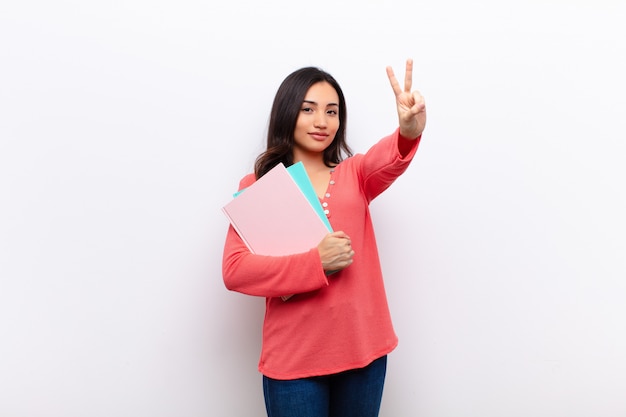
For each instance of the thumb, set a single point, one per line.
(340, 234)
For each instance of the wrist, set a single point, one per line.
(409, 134)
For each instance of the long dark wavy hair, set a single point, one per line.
(284, 115)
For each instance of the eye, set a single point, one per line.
(332, 112)
(307, 110)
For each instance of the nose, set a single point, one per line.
(320, 120)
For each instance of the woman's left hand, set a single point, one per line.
(410, 104)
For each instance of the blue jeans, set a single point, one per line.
(354, 393)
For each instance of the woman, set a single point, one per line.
(324, 349)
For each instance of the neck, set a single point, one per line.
(311, 161)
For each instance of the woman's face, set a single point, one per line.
(318, 119)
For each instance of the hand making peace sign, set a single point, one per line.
(411, 106)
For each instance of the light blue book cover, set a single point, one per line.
(299, 175)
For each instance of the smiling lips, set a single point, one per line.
(319, 135)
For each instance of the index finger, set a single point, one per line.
(394, 82)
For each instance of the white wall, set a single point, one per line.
(125, 126)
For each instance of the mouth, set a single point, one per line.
(319, 135)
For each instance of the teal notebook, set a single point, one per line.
(299, 175)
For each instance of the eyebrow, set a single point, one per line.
(313, 102)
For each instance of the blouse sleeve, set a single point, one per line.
(269, 276)
(384, 162)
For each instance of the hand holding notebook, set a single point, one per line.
(278, 216)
